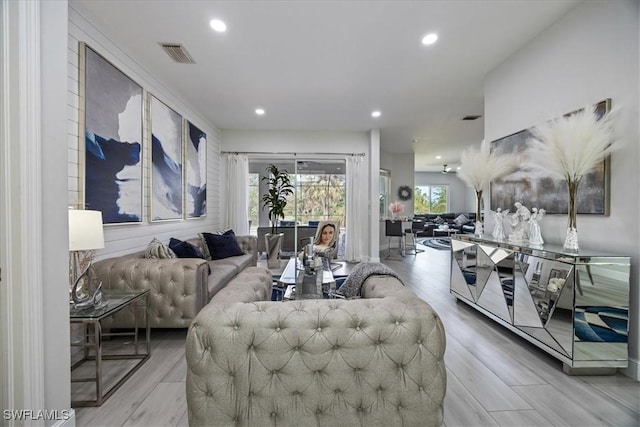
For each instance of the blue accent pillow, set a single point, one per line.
(185, 249)
(222, 245)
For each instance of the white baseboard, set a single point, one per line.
(633, 370)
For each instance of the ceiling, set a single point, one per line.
(326, 65)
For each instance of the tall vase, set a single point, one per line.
(273, 243)
(571, 239)
(479, 230)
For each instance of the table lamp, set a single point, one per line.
(85, 234)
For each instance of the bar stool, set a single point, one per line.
(416, 227)
(394, 229)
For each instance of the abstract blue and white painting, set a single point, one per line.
(196, 167)
(113, 141)
(166, 162)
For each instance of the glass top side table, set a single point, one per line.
(94, 345)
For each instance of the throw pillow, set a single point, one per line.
(185, 249)
(461, 220)
(205, 247)
(158, 250)
(439, 220)
(222, 245)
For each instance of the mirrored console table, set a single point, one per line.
(574, 306)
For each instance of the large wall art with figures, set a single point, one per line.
(166, 162)
(111, 156)
(196, 171)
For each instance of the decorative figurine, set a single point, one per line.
(535, 237)
(498, 230)
(518, 221)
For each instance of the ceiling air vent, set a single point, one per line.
(178, 53)
(471, 117)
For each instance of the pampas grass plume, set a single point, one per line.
(570, 147)
(479, 167)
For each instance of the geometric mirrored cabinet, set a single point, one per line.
(573, 306)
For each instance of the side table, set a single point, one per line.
(94, 344)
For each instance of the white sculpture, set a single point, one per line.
(498, 230)
(519, 224)
(535, 237)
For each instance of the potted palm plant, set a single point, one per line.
(275, 200)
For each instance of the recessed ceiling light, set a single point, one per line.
(260, 111)
(414, 140)
(376, 114)
(429, 39)
(218, 25)
(459, 168)
(438, 157)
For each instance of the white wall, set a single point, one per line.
(122, 239)
(294, 141)
(54, 249)
(588, 55)
(461, 197)
(401, 167)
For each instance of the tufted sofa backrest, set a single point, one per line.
(376, 361)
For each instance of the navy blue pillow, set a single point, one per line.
(185, 249)
(222, 245)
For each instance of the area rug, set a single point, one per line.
(440, 243)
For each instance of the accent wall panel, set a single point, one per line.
(110, 159)
(166, 162)
(196, 171)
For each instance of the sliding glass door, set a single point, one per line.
(319, 195)
(320, 191)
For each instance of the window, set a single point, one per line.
(320, 197)
(384, 185)
(431, 199)
(320, 191)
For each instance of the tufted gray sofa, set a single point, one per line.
(180, 287)
(375, 361)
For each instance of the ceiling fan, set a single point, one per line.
(447, 169)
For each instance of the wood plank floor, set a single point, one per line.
(494, 377)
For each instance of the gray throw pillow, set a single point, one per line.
(158, 250)
(205, 248)
(461, 220)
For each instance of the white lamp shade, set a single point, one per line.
(85, 230)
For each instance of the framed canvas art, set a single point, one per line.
(110, 156)
(166, 195)
(196, 171)
(534, 189)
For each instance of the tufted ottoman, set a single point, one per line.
(375, 361)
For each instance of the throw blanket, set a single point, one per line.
(352, 286)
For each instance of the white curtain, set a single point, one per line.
(357, 215)
(236, 201)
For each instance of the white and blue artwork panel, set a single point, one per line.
(113, 141)
(196, 170)
(166, 162)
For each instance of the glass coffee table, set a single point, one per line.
(94, 344)
(444, 232)
(297, 284)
